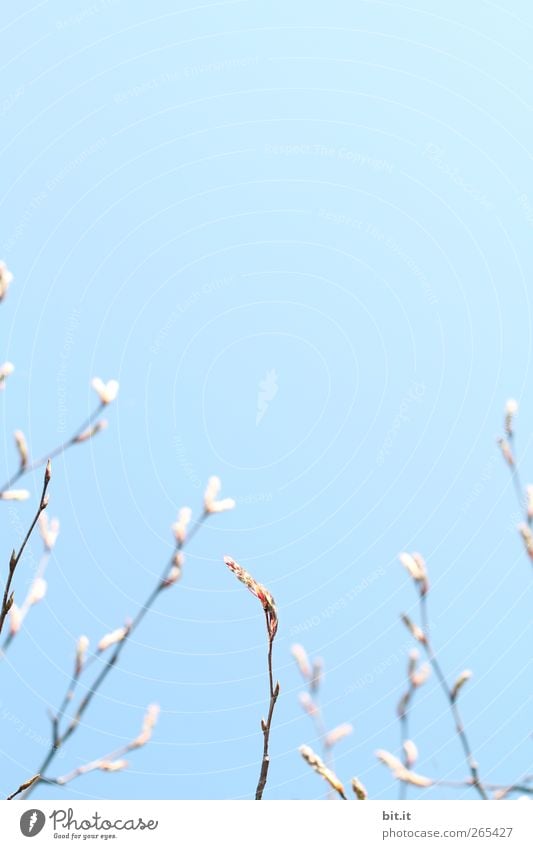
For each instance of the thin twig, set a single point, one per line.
(274, 693)
(327, 751)
(459, 726)
(516, 478)
(59, 739)
(524, 495)
(56, 719)
(88, 767)
(316, 763)
(25, 607)
(7, 601)
(404, 732)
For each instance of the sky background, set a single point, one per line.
(338, 199)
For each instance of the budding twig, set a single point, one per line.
(113, 761)
(500, 791)
(166, 579)
(405, 776)
(422, 635)
(448, 692)
(312, 675)
(24, 786)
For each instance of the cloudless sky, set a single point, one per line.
(330, 205)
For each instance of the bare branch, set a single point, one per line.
(113, 761)
(448, 692)
(25, 786)
(271, 619)
(320, 767)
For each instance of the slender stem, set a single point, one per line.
(320, 726)
(515, 474)
(518, 787)
(321, 731)
(26, 607)
(143, 610)
(519, 489)
(327, 751)
(55, 452)
(92, 765)
(7, 600)
(459, 726)
(59, 739)
(266, 726)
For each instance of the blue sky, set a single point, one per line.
(332, 202)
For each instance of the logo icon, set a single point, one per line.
(32, 822)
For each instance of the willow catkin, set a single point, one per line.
(320, 767)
